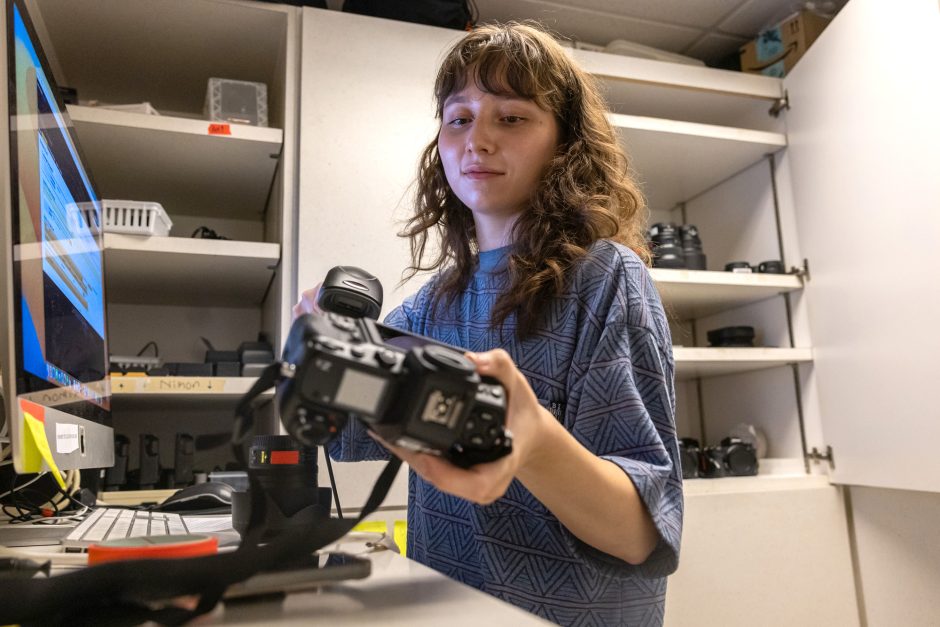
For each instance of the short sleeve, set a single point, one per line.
(622, 408)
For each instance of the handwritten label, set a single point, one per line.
(183, 384)
(220, 129)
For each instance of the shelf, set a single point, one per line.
(761, 483)
(187, 271)
(683, 92)
(178, 162)
(676, 161)
(693, 363)
(695, 293)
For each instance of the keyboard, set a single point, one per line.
(115, 523)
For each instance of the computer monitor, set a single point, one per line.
(53, 343)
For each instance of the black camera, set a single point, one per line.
(732, 458)
(411, 390)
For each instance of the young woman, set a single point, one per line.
(541, 273)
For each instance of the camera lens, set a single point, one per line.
(665, 245)
(287, 474)
(286, 471)
(771, 267)
(692, 247)
(738, 266)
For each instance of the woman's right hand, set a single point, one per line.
(307, 302)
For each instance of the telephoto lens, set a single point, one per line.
(692, 247)
(287, 473)
(665, 246)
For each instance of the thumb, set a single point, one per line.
(495, 363)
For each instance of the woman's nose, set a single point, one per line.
(480, 138)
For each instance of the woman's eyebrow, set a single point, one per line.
(459, 99)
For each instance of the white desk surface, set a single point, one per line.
(399, 591)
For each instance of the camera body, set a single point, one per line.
(734, 457)
(413, 391)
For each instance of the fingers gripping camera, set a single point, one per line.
(411, 390)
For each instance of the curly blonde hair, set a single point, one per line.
(587, 192)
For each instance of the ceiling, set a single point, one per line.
(709, 30)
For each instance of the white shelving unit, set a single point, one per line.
(187, 271)
(235, 179)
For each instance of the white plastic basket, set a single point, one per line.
(135, 217)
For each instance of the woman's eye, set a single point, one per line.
(457, 122)
(513, 119)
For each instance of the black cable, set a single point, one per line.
(329, 467)
(156, 349)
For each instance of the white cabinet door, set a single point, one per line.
(864, 154)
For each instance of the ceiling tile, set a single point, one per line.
(589, 25)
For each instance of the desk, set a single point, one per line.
(398, 592)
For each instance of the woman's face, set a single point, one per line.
(495, 150)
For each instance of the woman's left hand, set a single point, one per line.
(525, 418)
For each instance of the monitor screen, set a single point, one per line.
(56, 291)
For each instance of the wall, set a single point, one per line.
(897, 536)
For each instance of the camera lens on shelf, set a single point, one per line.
(666, 246)
(738, 266)
(771, 267)
(689, 452)
(692, 247)
(731, 336)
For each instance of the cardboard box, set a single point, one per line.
(775, 51)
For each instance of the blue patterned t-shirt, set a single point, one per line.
(602, 363)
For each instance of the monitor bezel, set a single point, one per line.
(85, 413)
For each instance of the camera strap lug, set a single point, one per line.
(815, 456)
(780, 104)
(288, 370)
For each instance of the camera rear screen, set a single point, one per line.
(361, 391)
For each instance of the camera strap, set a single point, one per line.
(134, 591)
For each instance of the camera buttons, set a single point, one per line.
(385, 358)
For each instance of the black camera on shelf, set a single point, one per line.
(676, 246)
(413, 391)
(732, 458)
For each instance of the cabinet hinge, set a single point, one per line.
(803, 272)
(780, 104)
(815, 456)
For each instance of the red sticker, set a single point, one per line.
(220, 129)
(285, 457)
